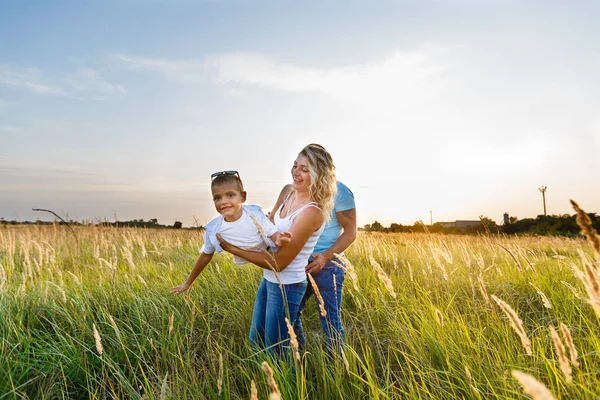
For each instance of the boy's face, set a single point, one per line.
(228, 200)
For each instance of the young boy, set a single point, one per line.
(237, 224)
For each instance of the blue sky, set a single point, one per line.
(124, 108)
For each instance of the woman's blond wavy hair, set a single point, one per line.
(323, 184)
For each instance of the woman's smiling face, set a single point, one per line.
(300, 173)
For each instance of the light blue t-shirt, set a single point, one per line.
(344, 200)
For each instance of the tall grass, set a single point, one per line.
(89, 316)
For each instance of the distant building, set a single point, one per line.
(466, 224)
(506, 219)
(460, 224)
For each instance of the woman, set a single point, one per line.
(302, 212)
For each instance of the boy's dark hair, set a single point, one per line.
(225, 178)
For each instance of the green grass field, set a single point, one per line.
(424, 326)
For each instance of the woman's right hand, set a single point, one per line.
(180, 288)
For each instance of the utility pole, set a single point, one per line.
(543, 190)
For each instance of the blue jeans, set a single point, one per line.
(332, 299)
(271, 306)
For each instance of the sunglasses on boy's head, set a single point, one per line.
(234, 173)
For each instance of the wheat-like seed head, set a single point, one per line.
(349, 268)
(562, 357)
(531, 386)
(545, 300)
(482, 288)
(440, 317)
(318, 294)
(585, 223)
(345, 360)
(171, 320)
(468, 374)
(253, 391)
(570, 345)
(98, 340)
(572, 289)
(258, 226)
(163, 389)
(590, 281)
(293, 339)
(275, 394)
(220, 380)
(387, 282)
(516, 323)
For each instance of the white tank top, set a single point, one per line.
(295, 272)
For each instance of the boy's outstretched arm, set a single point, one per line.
(281, 238)
(199, 266)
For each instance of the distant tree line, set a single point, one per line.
(135, 223)
(558, 225)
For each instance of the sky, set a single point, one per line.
(122, 109)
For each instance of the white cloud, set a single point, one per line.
(9, 129)
(86, 81)
(29, 78)
(403, 78)
(184, 71)
(90, 80)
(469, 158)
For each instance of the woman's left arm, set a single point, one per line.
(307, 222)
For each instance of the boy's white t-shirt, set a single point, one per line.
(242, 233)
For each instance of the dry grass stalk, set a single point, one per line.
(348, 268)
(253, 391)
(513, 257)
(545, 300)
(163, 389)
(468, 373)
(516, 323)
(258, 226)
(128, 256)
(142, 280)
(334, 286)
(570, 345)
(74, 277)
(220, 380)
(171, 321)
(98, 340)
(585, 223)
(563, 361)
(572, 289)
(293, 339)
(483, 289)
(345, 360)
(440, 317)
(589, 277)
(114, 325)
(531, 386)
(62, 291)
(275, 393)
(383, 277)
(3, 278)
(318, 294)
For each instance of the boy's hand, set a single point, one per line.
(180, 289)
(283, 238)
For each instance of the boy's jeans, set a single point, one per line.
(270, 310)
(332, 299)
